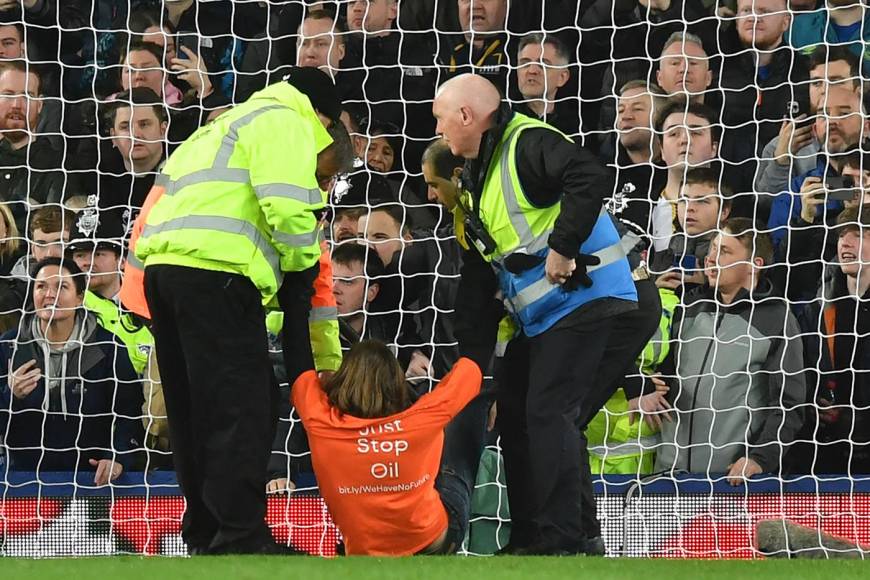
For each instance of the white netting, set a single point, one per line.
(698, 109)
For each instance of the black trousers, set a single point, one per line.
(553, 385)
(221, 401)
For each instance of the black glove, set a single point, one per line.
(294, 296)
(519, 262)
(579, 277)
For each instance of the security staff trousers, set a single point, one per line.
(553, 384)
(221, 402)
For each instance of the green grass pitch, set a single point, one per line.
(440, 568)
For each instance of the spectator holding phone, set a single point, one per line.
(793, 151)
(71, 399)
(142, 65)
(760, 77)
(812, 242)
(841, 126)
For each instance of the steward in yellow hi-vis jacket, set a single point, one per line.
(620, 443)
(236, 227)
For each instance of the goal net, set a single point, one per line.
(733, 136)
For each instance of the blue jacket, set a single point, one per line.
(100, 419)
(810, 29)
(787, 205)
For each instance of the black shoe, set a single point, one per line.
(509, 550)
(267, 548)
(273, 549)
(594, 546)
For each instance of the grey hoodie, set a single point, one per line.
(740, 370)
(55, 359)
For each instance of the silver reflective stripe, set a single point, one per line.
(220, 170)
(288, 191)
(529, 243)
(534, 292)
(531, 294)
(321, 313)
(633, 447)
(628, 240)
(221, 224)
(207, 176)
(222, 159)
(656, 342)
(132, 260)
(611, 254)
(297, 240)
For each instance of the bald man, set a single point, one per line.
(540, 236)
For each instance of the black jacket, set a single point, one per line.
(32, 172)
(491, 60)
(117, 190)
(422, 281)
(392, 78)
(753, 108)
(840, 375)
(801, 256)
(565, 116)
(636, 191)
(93, 414)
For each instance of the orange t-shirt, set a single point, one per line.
(378, 475)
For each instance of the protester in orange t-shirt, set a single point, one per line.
(377, 457)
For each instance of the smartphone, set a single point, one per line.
(839, 187)
(794, 111)
(808, 122)
(189, 40)
(26, 352)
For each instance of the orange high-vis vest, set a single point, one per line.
(323, 318)
(132, 293)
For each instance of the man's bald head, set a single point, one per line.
(464, 108)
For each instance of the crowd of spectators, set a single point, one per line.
(735, 133)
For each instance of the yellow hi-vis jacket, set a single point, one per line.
(618, 445)
(241, 193)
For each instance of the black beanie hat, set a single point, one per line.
(318, 87)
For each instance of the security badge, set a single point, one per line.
(88, 221)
